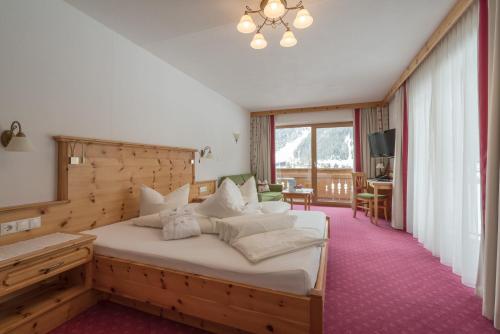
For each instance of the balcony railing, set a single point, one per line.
(334, 184)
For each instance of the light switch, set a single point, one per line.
(203, 189)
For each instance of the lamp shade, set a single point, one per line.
(303, 19)
(209, 155)
(288, 40)
(19, 143)
(258, 42)
(246, 25)
(274, 9)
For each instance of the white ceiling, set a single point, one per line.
(353, 52)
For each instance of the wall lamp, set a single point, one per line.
(206, 153)
(236, 136)
(15, 142)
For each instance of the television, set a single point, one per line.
(382, 144)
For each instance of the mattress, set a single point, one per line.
(206, 255)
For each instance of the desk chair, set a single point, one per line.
(363, 199)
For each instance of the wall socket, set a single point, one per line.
(203, 189)
(20, 225)
(8, 228)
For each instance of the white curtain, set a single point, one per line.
(396, 112)
(443, 150)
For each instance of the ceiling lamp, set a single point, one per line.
(272, 13)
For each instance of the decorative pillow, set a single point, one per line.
(249, 191)
(263, 186)
(179, 224)
(154, 202)
(226, 202)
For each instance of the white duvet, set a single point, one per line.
(262, 246)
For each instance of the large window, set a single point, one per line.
(316, 156)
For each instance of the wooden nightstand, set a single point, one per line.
(38, 277)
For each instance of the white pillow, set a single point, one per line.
(152, 220)
(207, 224)
(226, 202)
(249, 191)
(154, 202)
(274, 207)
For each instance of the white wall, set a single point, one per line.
(61, 72)
(315, 117)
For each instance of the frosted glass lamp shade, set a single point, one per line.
(19, 143)
(258, 42)
(288, 40)
(246, 25)
(274, 9)
(303, 19)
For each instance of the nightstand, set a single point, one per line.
(38, 279)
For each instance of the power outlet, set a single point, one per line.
(8, 228)
(35, 222)
(203, 189)
(23, 225)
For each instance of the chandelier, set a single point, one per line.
(273, 12)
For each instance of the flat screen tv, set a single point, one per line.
(382, 144)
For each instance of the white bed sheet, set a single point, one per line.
(206, 255)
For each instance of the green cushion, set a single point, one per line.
(368, 195)
(270, 196)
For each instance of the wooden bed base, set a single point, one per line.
(212, 304)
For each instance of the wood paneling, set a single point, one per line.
(105, 189)
(319, 108)
(453, 16)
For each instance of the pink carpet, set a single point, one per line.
(379, 281)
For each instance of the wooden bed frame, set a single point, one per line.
(207, 302)
(105, 190)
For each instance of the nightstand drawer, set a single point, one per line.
(39, 268)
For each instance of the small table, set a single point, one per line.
(378, 185)
(305, 194)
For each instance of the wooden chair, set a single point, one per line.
(363, 199)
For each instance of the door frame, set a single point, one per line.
(314, 155)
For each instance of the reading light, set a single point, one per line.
(16, 142)
(236, 136)
(206, 153)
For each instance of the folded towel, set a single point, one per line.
(233, 228)
(179, 224)
(263, 246)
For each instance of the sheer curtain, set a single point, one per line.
(443, 151)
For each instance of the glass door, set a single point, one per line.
(333, 161)
(293, 156)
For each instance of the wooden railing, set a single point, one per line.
(334, 185)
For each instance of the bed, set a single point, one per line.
(205, 278)
(104, 190)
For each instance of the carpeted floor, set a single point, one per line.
(379, 281)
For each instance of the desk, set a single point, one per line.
(304, 194)
(377, 186)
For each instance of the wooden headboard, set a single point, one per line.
(105, 188)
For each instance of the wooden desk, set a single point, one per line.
(305, 194)
(377, 186)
